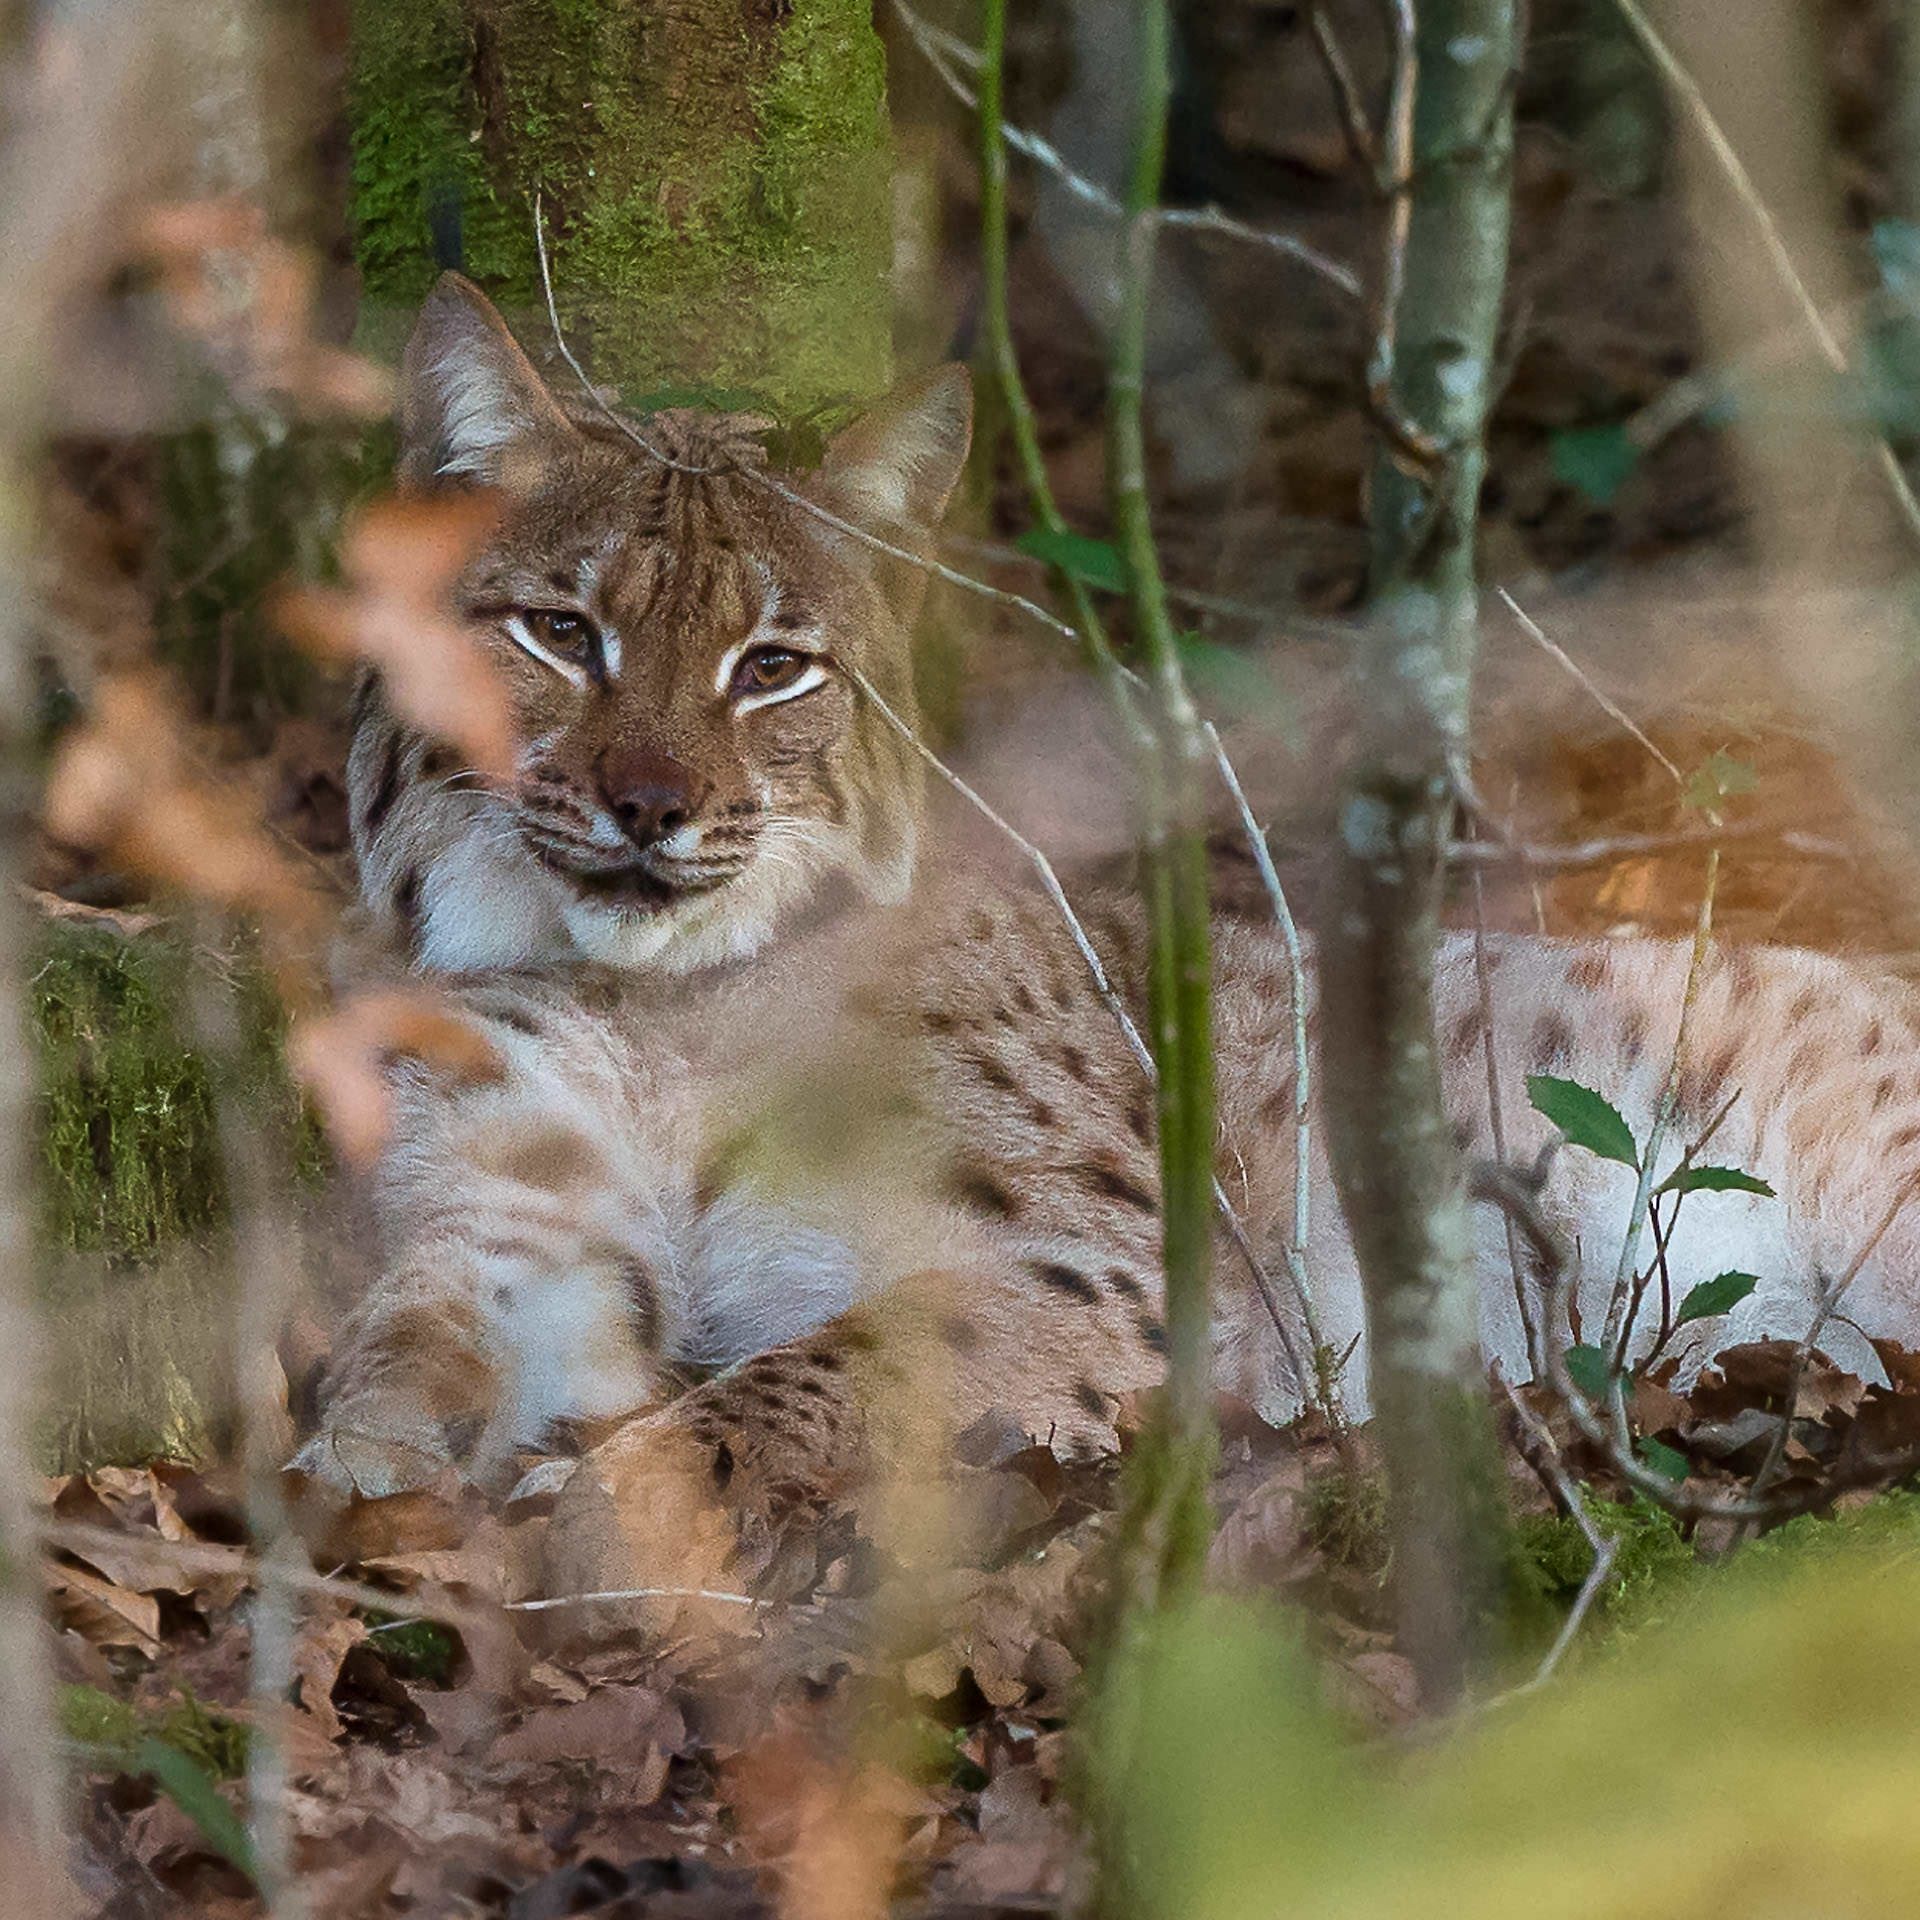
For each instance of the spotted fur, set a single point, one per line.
(896, 1166)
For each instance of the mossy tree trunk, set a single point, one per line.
(715, 175)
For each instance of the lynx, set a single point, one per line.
(871, 1150)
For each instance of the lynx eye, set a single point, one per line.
(563, 633)
(769, 670)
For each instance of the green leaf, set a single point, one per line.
(1587, 1369)
(1096, 562)
(196, 1796)
(1666, 1461)
(1595, 461)
(1237, 681)
(1718, 778)
(1711, 1298)
(1584, 1117)
(1713, 1180)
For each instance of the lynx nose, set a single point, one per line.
(650, 794)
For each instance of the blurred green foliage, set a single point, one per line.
(1745, 1743)
(131, 1195)
(246, 501)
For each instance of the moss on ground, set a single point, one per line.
(132, 1205)
(1659, 1579)
(716, 182)
(129, 1163)
(113, 1730)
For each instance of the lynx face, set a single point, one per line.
(678, 643)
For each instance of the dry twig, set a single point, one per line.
(946, 54)
(1772, 240)
(1605, 1546)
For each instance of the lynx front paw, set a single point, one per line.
(639, 1532)
(373, 1446)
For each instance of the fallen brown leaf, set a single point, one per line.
(106, 1614)
(610, 1728)
(319, 1649)
(401, 561)
(126, 784)
(342, 1059)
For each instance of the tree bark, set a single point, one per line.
(1399, 1174)
(715, 176)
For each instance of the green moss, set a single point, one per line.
(421, 1650)
(128, 1159)
(132, 1204)
(416, 156)
(129, 1162)
(114, 1730)
(1347, 1521)
(716, 188)
(95, 1719)
(1550, 1560)
(1658, 1578)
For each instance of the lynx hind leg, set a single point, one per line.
(528, 1261)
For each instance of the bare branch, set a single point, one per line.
(1827, 1306)
(946, 54)
(1110, 998)
(1772, 240)
(1605, 1546)
(1612, 710)
(1608, 848)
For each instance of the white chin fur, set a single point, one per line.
(731, 924)
(480, 911)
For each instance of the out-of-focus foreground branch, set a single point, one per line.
(1173, 1516)
(1399, 1176)
(60, 177)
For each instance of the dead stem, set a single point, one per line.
(1772, 240)
(946, 54)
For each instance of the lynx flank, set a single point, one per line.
(870, 1150)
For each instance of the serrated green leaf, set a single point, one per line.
(1584, 1117)
(1595, 461)
(1711, 1298)
(1718, 778)
(1096, 562)
(194, 1793)
(1587, 1369)
(1713, 1180)
(1666, 1461)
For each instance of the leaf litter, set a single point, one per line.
(450, 1754)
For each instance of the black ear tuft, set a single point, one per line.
(468, 394)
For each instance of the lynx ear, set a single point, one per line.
(467, 392)
(896, 466)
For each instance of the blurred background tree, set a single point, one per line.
(715, 174)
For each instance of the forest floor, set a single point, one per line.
(450, 1752)
(468, 1761)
